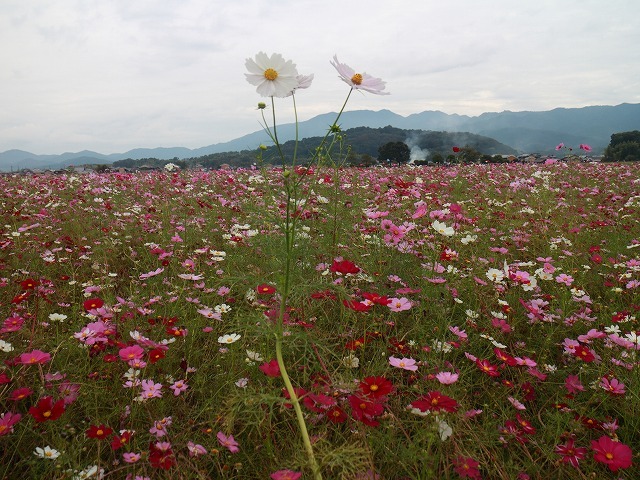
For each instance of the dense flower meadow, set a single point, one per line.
(454, 322)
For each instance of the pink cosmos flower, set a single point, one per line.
(228, 442)
(195, 449)
(358, 81)
(134, 352)
(564, 278)
(178, 387)
(7, 421)
(467, 467)
(35, 356)
(150, 389)
(399, 304)
(285, 475)
(131, 457)
(404, 363)
(570, 453)
(572, 384)
(613, 386)
(447, 378)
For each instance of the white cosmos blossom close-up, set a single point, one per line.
(359, 81)
(46, 452)
(229, 338)
(443, 229)
(274, 76)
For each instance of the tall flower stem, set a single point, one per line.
(291, 188)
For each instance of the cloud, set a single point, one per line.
(118, 74)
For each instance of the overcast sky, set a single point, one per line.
(111, 75)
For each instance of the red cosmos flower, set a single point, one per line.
(525, 425)
(615, 455)
(20, 394)
(435, 402)
(365, 410)
(377, 299)
(92, 304)
(155, 355)
(29, 284)
(161, 457)
(456, 149)
(584, 353)
(300, 392)
(271, 368)
(21, 298)
(399, 346)
(487, 368)
(99, 432)
(46, 409)
(177, 331)
(324, 294)
(467, 467)
(344, 267)
(336, 415)
(504, 357)
(356, 306)
(121, 440)
(376, 387)
(265, 289)
(317, 402)
(570, 453)
(355, 344)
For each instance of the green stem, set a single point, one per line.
(296, 406)
(289, 233)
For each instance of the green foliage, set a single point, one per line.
(395, 152)
(624, 147)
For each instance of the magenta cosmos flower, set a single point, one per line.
(274, 76)
(359, 81)
(615, 455)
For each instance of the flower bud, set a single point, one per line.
(262, 105)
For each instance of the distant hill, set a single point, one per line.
(360, 143)
(527, 132)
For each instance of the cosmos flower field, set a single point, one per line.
(472, 321)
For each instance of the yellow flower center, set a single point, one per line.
(270, 74)
(356, 79)
(373, 388)
(99, 432)
(47, 414)
(609, 455)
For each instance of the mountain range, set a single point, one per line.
(526, 132)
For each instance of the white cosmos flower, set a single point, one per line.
(254, 356)
(495, 275)
(5, 346)
(229, 338)
(443, 229)
(57, 317)
(46, 452)
(274, 76)
(359, 81)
